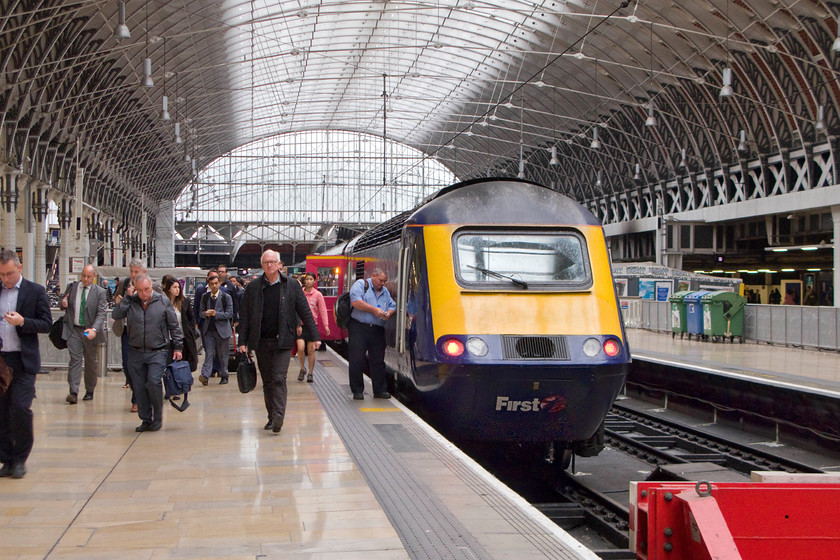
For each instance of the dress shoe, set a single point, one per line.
(358, 396)
(268, 425)
(203, 379)
(155, 427)
(6, 470)
(72, 398)
(223, 381)
(277, 427)
(382, 395)
(144, 427)
(18, 470)
(88, 397)
(134, 408)
(301, 374)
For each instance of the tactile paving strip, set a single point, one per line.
(425, 526)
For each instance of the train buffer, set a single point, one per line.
(781, 516)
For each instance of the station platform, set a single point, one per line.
(802, 369)
(344, 479)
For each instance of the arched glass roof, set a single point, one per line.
(292, 186)
(481, 85)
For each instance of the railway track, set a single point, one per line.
(656, 441)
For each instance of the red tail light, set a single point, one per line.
(611, 348)
(453, 347)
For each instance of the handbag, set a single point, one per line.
(246, 374)
(56, 331)
(178, 380)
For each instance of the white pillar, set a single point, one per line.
(835, 218)
(9, 200)
(40, 208)
(26, 184)
(65, 218)
(165, 235)
(108, 241)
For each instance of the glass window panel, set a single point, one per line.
(327, 282)
(545, 260)
(285, 186)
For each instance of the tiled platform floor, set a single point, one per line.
(211, 484)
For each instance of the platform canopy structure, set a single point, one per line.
(637, 109)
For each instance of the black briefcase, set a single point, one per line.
(55, 334)
(246, 374)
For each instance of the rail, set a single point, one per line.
(789, 325)
(53, 358)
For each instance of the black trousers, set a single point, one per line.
(366, 351)
(16, 427)
(273, 363)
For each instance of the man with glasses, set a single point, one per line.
(268, 321)
(25, 311)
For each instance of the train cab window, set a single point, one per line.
(327, 281)
(494, 259)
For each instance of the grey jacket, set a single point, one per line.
(151, 328)
(223, 305)
(96, 308)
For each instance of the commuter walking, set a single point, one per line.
(372, 306)
(153, 324)
(217, 314)
(268, 320)
(183, 310)
(84, 330)
(199, 320)
(126, 288)
(25, 311)
(319, 312)
(229, 288)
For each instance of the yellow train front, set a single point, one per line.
(507, 325)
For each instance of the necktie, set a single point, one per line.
(82, 307)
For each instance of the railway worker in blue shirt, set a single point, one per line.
(372, 306)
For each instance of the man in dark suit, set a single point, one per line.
(25, 313)
(86, 304)
(199, 319)
(217, 313)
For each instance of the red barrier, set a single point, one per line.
(734, 521)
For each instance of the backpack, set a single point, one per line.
(178, 380)
(343, 308)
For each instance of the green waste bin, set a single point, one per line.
(723, 316)
(678, 323)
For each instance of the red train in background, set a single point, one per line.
(330, 270)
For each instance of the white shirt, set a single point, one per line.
(78, 305)
(8, 302)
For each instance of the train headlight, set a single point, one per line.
(611, 348)
(477, 347)
(453, 347)
(591, 347)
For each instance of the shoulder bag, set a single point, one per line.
(56, 331)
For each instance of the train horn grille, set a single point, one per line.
(535, 347)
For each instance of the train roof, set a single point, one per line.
(478, 202)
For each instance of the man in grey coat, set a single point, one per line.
(84, 329)
(153, 323)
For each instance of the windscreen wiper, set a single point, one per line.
(498, 275)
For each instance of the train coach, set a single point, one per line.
(507, 326)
